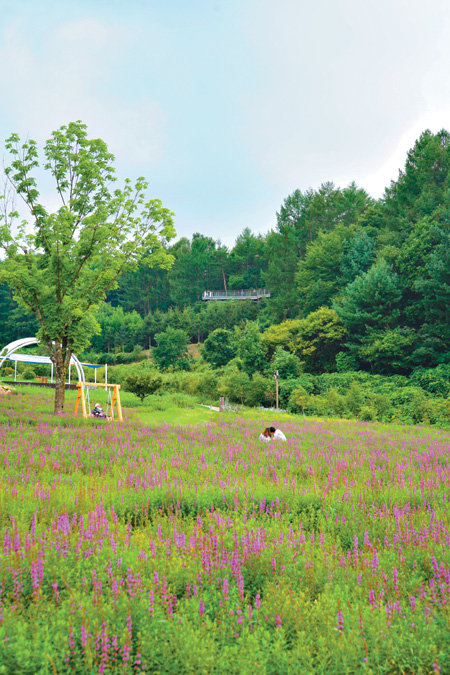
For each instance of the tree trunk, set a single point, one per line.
(60, 391)
(60, 358)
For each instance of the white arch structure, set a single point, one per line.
(10, 349)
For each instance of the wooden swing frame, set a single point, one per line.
(115, 401)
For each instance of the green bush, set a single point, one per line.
(367, 413)
(143, 383)
(345, 362)
(234, 384)
(118, 374)
(433, 380)
(28, 374)
(287, 364)
(382, 406)
(337, 404)
(285, 389)
(260, 392)
(317, 405)
(298, 400)
(171, 349)
(355, 398)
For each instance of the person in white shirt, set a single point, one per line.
(265, 435)
(277, 434)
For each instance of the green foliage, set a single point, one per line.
(384, 266)
(318, 277)
(235, 384)
(119, 330)
(387, 351)
(247, 261)
(219, 347)
(61, 268)
(15, 321)
(288, 365)
(143, 383)
(345, 362)
(433, 380)
(357, 256)
(300, 220)
(202, 383)
(421, 188)
(171, 349)
(28, 373)
(298, 400)
(351, 394)
(371, 301)
(319, 339)
(199, 264)
(260, 391)
(250, 348)
(281, 335)
(354, 398)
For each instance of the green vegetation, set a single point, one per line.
(357, 324)
(142, 383)
(146, 547)
(62, 264)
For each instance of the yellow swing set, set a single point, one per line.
(114, 400)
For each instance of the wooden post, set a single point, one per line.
(113, 402)
(119, 405)
(77, 402)
(276, 386)
(83, 403)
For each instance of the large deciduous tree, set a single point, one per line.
(61, 264)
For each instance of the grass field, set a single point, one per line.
(177, 543)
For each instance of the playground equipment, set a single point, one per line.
(83, 389)
(9, 353)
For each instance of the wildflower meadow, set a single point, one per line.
(197, 549)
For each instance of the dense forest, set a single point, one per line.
(356, 284)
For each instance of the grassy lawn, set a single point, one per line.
(154, 411)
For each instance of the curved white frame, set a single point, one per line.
(13, 347)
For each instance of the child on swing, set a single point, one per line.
(98, 411)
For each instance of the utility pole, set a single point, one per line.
(224, 282)
(276, 386)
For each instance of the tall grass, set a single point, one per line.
(130, 548)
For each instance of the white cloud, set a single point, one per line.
(71, 75)
(344, 87)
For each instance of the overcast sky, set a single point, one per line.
(227, 106)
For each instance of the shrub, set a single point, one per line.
(298, 400)
(434, 380)
(317, 405)
(28, 374)
(367, 413)
(382, 405)
(285, 389)
(354, 398)
(260, 391)
(138, 353)
(171, 349)
(287, 364)
(337, 404)
(143, 384)
(219, 347)
(234, 384)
